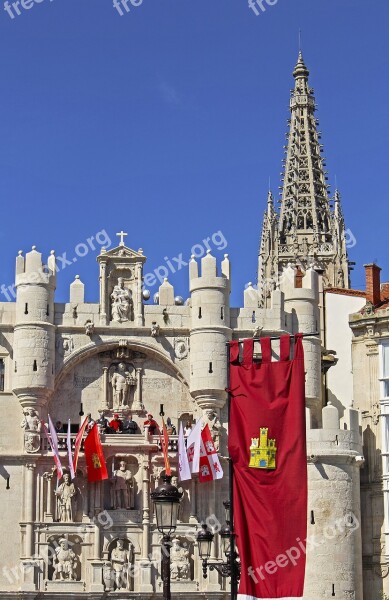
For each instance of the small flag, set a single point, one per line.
(77, 445)
(70, 457)
(193, 444)
(94, 456)
(164, 438)
(53, 441)
(210, 467)
(183, 463)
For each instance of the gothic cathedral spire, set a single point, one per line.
(307, 229)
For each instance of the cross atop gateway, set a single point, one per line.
(122, 235)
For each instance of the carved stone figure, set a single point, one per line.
(214, 425)
(121, 381)
(155, 329)
(65, 493)
(123, 488)
(121, 301)
(31, 421)
(340, 279)
(65, 561)
(181, 349)
(32, 427)
(89, 328)
(108, 576)
(179, 557)
(121, 559)
(65, 345)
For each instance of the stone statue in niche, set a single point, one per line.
(65, 562)
(121, 302)
(65, 494)
(32, 426)
(122, 488)
(179, 557)
(121, 380)
(121, 560)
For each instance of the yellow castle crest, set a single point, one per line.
(263, 451)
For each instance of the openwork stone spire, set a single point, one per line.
(307, 230)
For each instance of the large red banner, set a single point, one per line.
(267, 445)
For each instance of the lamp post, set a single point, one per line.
(229, 568)
(166, 500)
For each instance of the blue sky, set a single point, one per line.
(168, 122)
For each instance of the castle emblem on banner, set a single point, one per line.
(263, 451)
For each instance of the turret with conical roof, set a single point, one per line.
(307, 229)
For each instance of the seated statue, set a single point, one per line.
(121, 304)
(65, 561)
(179, 557)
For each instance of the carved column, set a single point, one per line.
(138, 391)
(29, 509)
(103, 295)
(146, 506)
(49, 496)
(139, 306)
(105, 403)
(145, 564)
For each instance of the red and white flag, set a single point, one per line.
(70, 457)
(183, 463)
(193, 444)
(77, 445)
(53, 441)
(210, 467)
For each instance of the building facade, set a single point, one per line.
(370, 350)
(124, 355)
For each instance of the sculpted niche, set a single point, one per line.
(121, 303)
(122, 378)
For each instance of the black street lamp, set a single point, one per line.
(230, 568)
(166, 500)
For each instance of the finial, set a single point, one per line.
(77, 277)
(300, 69)
(52, 252)
(122, 235)
(226, 256)
(33, 248)
(20, 252)
(300, 42)
(209, 251)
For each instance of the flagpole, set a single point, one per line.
(232, 557)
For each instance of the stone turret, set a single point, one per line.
(334, 514)
(34, 334)
(210, 330)
(302, 315)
